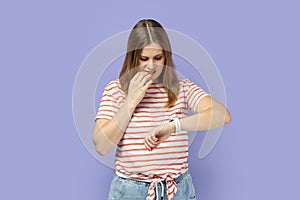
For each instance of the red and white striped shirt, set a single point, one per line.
(170, 159)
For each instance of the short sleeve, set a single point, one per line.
(110, 101)
(194, 94)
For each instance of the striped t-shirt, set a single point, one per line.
(170, 159)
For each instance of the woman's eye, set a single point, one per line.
(158, 58)
(143, 59)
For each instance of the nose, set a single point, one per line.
(150, 64)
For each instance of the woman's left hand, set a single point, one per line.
(158, 135)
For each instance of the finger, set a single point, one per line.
(140, 76)
(153, 140)
(135, 76)
(145, 79)
(148, 84)
(156, 141)
(147, 145)
(150, 143)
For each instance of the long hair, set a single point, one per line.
(145, 32)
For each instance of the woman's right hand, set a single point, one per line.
(138, 87)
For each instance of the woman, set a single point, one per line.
(144, 114)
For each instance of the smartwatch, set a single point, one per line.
(177, 124)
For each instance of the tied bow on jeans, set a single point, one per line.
(170, 184)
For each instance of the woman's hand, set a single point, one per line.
(159, 135)
(138, 87)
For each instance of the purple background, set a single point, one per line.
(255, 45)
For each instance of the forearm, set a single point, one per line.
(106, 136)
(208, 119)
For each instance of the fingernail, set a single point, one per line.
(155, 147)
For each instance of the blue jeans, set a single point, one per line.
(122, 188)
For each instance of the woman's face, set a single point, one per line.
(152, 60)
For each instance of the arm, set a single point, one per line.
(108, 133)
(210, 114)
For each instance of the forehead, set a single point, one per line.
(152, 50)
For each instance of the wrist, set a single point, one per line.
(171, 126)
(177, 124)
(129, 106)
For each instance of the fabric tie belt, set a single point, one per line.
(171, 188)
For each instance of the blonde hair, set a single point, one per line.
(145, 32)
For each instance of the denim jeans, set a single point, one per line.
(122, 188)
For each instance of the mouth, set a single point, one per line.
(150, 71)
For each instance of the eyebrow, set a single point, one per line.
(154, 56)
